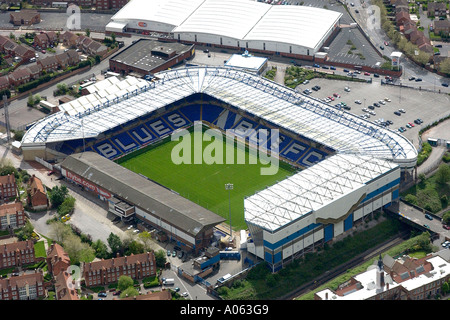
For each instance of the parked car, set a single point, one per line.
(401, 110)
(428, 217)
(174, 253)
(445, 84)
(336, 95)
(325, 67)
(358, 101)
(366, 73)
(397, 113)
(371, 107)
(347, 89)
(418, 79)
(386, 43)
(411, 124)
(408, 126)
(426, 226)
(376, 75)
(446, 227)
(333, 68)
(381, 47)
(412, 78)
(102, 294)
(387, 99)
(306, 81)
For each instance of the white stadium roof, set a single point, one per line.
(122, 101)
(237, 19)
(312, 189)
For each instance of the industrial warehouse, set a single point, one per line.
(235, 24)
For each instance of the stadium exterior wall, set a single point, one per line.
(185, 241)
(303, 234)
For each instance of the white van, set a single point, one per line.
(169, 281)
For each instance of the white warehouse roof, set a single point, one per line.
(312, 189)
(298, 25)
(243, 20)
(168, 12)
(231, 18)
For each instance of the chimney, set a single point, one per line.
(326, 295)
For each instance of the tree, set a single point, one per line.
(124, 283)
(59, 231)
(77, 250)
(134, 247)
(146, 239)
(160, 258)
(113, 37)
(58, 195)
(446, 218)
(98, 59)
(66, 206)
(130, 292)
(423, 57)
(443, 174)
(88, 32)
(101, 249)
(114, 243)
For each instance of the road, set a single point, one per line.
(378, 37)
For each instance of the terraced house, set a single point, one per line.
(108, 271)
(12, 215)
(24, 287)
(17, 254)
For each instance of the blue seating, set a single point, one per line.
(159, 127)
(124, 142)
(295, 150)
(176, 120)
(191, 112)
(142, 134)
(210, 112)
(107, 149)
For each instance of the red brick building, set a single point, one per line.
(12, 215)
(19, 77)
(24, 287)
(111, 4)
(108, 271)
(57, 259)
(37, 196)
(8, 187)
(17, 254)
(62, 289)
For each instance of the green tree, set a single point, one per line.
(446, 218)
(66, 206)
(443, 174)
(98, 59)
(445, 288)
(88, 32)
(101, 249)
(160, 258)
(114, 243)
(134, 247)
(444, 66)
(124, 283)
(59, 231)
(58, 195)
(129, 292)
(146, 239)
(77, 250)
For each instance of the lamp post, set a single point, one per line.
(229, 187)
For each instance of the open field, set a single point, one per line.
(205, 183)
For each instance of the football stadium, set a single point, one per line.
(334, 167)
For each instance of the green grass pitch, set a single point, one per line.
(204, 183)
